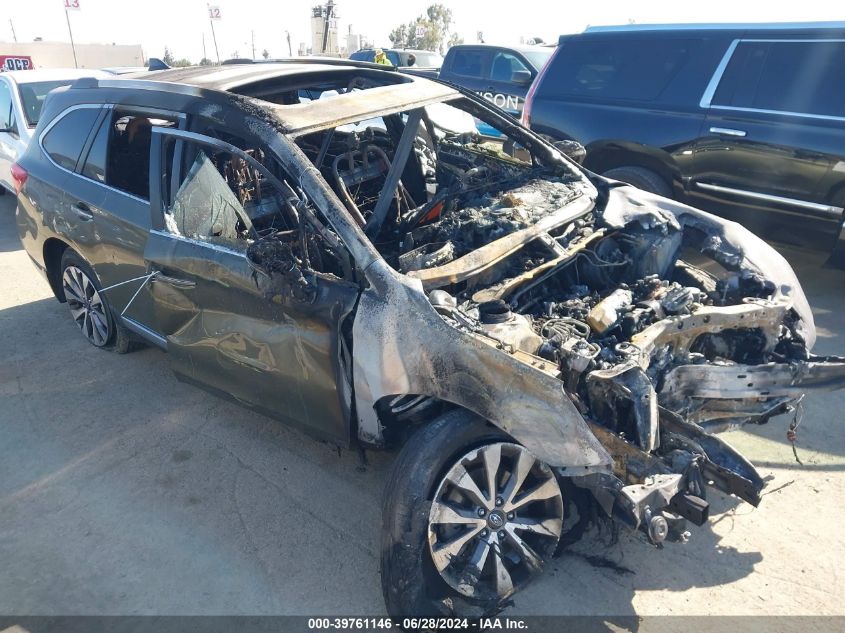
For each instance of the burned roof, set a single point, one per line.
(391, 92)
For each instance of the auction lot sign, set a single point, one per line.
(15, 62)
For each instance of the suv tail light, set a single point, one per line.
(19, 175)
(525, 119)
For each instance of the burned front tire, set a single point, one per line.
(469, 518)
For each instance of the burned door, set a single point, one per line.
(231, 326)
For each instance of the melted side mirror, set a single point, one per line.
(573, 149)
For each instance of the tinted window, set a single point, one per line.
(538, 59)
(33, 95)
(5, 106)
(635, 69)
(66, 138)
(128, 155)
(469, 63)
(504, 66)
(800, 77)
(362, 56)
(95, 162)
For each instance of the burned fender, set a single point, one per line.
(403, 346)
(728, 243)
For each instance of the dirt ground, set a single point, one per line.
(123, 491)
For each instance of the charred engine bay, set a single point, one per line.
(615, 311)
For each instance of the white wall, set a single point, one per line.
(60, 55)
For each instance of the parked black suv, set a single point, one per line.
(745, 121)
(369, 268)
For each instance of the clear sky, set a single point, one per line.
(180, 24)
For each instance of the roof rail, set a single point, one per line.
(716, 26)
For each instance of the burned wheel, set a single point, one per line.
(469, 518)
(495, 520)
(89, 307)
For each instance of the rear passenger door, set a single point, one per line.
(107, 200)
(772, 152)
(229, 326)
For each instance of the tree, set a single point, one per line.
(168, 57)
(454, 40)
(205, 61)
(434, 28)
(265, 53)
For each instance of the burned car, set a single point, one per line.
(338, 247)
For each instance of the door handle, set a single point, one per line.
(184, 284)
(726, 131)
(83, 211)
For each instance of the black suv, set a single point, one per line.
(337, 247)
(746, 121)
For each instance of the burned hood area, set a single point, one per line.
(659, 324)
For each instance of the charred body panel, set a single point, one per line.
(402, 346)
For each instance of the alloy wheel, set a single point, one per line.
(86, 306)
(495, 521)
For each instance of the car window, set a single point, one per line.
(428, 60)
(33, 96)
(631, 69)
(802, 77)
(65, 140)
(6, 114)
(393, 56)
(128, 151)
(504, 66)
(95, 163)
(538, 59)
(470, 63)
(362, 56)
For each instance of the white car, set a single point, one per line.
(22, 94)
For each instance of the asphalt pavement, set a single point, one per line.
(124, 491)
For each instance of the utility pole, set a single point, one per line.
(290, 50)
(72, 45)
(14, 35)
(252, 33)
(211, 16)
(204, 56)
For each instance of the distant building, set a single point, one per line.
(324, 30)
(60, 54)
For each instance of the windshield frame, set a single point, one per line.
(480, 109)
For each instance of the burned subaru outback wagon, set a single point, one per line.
(338, 247)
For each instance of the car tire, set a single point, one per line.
(90, 308)
(413, 583)
(641, 178)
